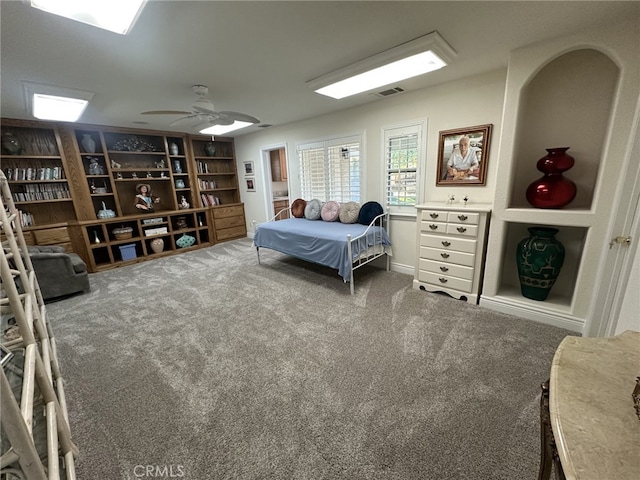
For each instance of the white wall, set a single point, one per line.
(467, 102)
(629, 318)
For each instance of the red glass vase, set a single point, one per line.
(552, 190)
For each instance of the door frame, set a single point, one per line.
(617, 259)
(267, 179)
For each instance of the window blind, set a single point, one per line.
(402, 153)
(330, 169)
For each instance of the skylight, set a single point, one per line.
(64, 109)
(114, 15)
(50, 102)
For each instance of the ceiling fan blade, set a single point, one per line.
(166, 112)
(203, 109)
(241, 117)
(183, 119)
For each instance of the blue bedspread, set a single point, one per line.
(320, 242)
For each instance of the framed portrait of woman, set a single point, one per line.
(463, 154)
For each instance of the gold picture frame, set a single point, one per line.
(463, 154)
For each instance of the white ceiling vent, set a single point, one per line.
(390, 91)
(264, 125)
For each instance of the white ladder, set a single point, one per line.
(42, 396)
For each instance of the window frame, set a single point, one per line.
(326, 144)
(415, 127)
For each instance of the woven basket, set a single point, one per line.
(122, 233)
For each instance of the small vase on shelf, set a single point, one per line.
(10, 144)
(210, 149)
(88, 143)
(173, 149)
(157, 245)
(552, 190)
(539, 258)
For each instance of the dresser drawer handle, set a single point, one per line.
(444, 269)
(461, 229)
(433, 227)
(442, 280)
(446, 244)
(444, 255)
(434, 215)
(462, 218)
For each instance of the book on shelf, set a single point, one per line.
(25, 218)
(34, 174)
(209, 200)
(148, 232)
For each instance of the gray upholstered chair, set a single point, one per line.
(59, 273)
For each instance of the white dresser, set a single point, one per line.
(451, 248)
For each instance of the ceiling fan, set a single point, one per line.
(203, 112)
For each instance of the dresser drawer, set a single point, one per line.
(231, 211)
(433, 227)
(445, 268)
(231, 233)
(460, 229)
(433, 216)
(448, 243)
(463, 217)
(228, 222)
(459, 258)
(445, 281)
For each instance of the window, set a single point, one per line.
(402, 153)
(330, 169)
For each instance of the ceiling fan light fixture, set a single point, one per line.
(222, 129)
(417, 57)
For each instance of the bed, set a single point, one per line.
(342, 246)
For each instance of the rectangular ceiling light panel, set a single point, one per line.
(417, 57)
(114, 15)
(49, 102)
(63, 109)
(222, 129)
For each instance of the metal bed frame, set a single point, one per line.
(367, 256)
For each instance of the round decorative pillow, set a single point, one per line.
(368, 212)
(313, 209)
(330, 211)
(297, 207)
(349, 212)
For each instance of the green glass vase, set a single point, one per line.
(539, 258)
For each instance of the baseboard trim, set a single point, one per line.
(401, 268)
(555, 319)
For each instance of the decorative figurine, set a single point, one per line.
(134, 175)
(144, 198)
(451, 199)
(94, 167)
(183, 203)
(160, 163)
(119, 176)
(115, 164)
(149, 175)
(465, 200)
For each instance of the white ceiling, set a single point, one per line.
(256, 57)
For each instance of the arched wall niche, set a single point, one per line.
(566, 103)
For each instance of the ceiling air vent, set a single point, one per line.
(264, 125)
(390, 91)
